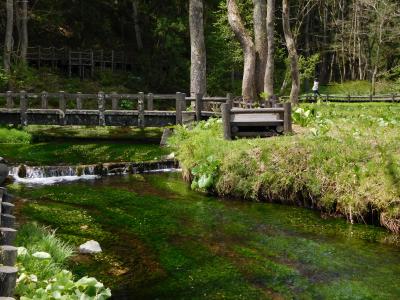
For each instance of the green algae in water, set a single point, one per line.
(163, 241)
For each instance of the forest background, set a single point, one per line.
(335, 41)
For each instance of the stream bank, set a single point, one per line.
(163, 241)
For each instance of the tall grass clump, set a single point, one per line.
(14, 136)
(42, 259)
(345, 160)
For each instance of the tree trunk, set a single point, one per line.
(261, 45)
(8, 43)
(270, 67)
(139, 41)
(291, 46)
(198, 75)
(236, 23)
(24, 41)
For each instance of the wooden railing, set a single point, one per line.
(103, 107)
(394, 98)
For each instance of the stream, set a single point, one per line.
(163, 241)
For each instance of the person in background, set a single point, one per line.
(315, 88)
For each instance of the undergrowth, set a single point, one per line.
(42, 259)
(345, 161)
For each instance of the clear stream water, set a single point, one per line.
(163, 241)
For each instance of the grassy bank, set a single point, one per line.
(345, 160)
(51, 145)
(42, 259)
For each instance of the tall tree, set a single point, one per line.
(24, 24)
(293, 56)
(246, 42)
(8, 43)
(270, 66)
(260, 41)
(138, 34)
(198, 76)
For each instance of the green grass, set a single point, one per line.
(163, 241)
(55, 145)
(346, 162)
(14, 136)
(39, 239)
(359, 88)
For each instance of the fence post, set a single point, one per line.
(287, 117)
(62, 105)
(141, 110)
(101, 104)
(199, 106)
(79, 101)
(45, 103)
(10, 100)
(114, 101)
(370, 97)
(150, 101)
(8, 255)
(226, 120)
(229, 98)
(348, 98)
(23, 108)
(178, 105)
(8, 280)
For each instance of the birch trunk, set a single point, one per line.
(246, 42)
(198, 76)
(291, 47)
(270, 67)
(8, 43)
(260, 40)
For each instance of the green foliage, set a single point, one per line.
(307, 66)
(328, 155)
(41, 257)
(4, 78)
(205, 174)
(14, 136)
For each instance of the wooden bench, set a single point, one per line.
(258, 122)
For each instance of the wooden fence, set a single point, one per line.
(394, 98)
(84, 61)
(8, 253)
(104, 109)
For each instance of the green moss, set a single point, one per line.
(161, 240)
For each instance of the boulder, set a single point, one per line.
(90, 247)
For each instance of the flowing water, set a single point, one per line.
(163, 241)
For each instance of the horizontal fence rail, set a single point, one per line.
(106, 109)
(394, 98)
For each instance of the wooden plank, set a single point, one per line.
(248, 118)
(8, 255)
(257, 110)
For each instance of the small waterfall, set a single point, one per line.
(47, 175)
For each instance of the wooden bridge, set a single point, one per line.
(112, 109)
(84, 62)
